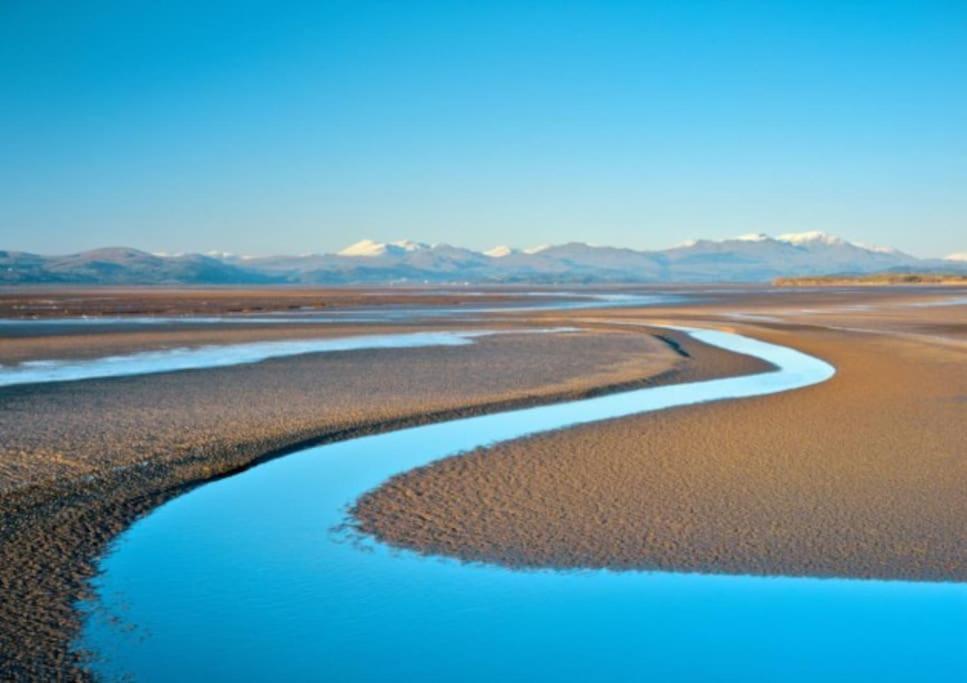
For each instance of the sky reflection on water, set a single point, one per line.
(245, 578)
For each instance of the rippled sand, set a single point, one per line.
(862, 476)
(80, 460)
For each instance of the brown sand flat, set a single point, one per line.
(79, 461)
(52, 301)
(73, 428)
(862, 476)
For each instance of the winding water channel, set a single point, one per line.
(224, 355)
(245, 579)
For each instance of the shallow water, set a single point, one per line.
(245, 579)
(554, 301)
(223, 355)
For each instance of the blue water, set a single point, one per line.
(245, 579)
(528, 302)
(223, 355)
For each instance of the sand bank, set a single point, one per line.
(81, 460)
(862, 476)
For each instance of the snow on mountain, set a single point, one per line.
(500, 251)
(876, 248)
(959, 256)
(410, 245)
(810, 238)
(364, 248)
(754, 257)
(373, 248)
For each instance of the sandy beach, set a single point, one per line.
(861, 476)
(81, 460)
(755, 486)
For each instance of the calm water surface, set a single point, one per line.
(223, 355)
(245, 579)
(526, 302)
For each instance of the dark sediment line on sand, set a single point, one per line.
(52, 535)
(674, 345)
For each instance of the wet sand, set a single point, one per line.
(52, 301)
(96, 343)
(862, 476)
(81, 460)
(71, 429)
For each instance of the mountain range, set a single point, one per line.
(748, 258)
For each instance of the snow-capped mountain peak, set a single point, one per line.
(748, 258)
(373, 248)
(876, 248)
(410, 245)
(817, 238)
(813, 237)
(499, 251)
(364, 248)
(538, 249)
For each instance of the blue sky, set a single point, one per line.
(267, 127)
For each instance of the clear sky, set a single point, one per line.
(268, 127)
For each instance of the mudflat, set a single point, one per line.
(80, 461)
(725, 487)
(864, 475)
(54, 302)
(68, 430)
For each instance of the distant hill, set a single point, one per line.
(122, 266)
(749, 258)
